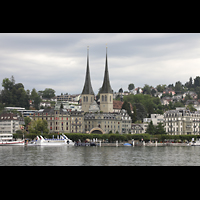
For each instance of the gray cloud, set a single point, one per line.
(58, 61)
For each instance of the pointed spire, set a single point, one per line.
(106, 88)
(87, 89)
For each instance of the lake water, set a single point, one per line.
(101, 156)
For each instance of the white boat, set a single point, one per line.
(64, 140)
(197, 143)
(7, 139)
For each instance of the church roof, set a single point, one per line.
(106, 88)
(87, 89)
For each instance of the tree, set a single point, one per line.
(48, 93)
(7, 84)
(178, 87)
(38, 126)
(131, 86)
(35, 98)
(187, 97)
(151, 128)
(134, 115)
(126, 106)
(153, 92)
(197, 81)
(146, 89)
(189, 84)
(191, 108)
(160, 129)
(141, 112)
(160, 88)
(14, 94)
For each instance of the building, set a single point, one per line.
(23, 111)
(62, 121)
(68, 106)
(106, 92)
(10, 123)
(87, 93)
(139, 128)
(117, 106)
(68, 97)
(108, 122)
(182, 122)
(155, 118)
(169, 91)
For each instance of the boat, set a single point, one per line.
(127, 144)
(63, 140)
(197, 143)
(7, 140)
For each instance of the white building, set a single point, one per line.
(155, 118)
(10, 123)
(67, 106)
(139, 128)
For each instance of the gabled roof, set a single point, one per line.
(106, 88)
(87, 89)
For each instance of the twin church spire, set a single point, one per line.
(106, 93)
(106, 88)
(87, 89)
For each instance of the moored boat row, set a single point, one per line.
(7, 140)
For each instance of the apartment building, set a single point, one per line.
(10, 123)
(62, 121)
(182, 122)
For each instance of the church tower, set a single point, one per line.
(87, 93)
(106, 92)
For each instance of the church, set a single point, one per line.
(101, 119)
(106, 92)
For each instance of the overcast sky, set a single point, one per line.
(58, 61)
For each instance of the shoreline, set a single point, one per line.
(120, 144)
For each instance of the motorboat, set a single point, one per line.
(63, 140)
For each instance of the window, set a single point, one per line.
(86, 98)
(110, 98)
(91, 99)
(102, 97)
(105, 97)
